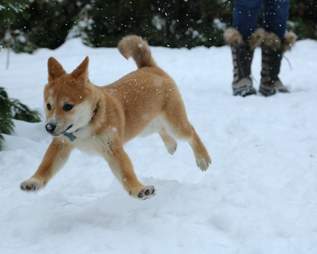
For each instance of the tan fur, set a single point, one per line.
(146, 99)
(134, 46)
(257, 38)
(273, 41)
(289, 40)
(56, 69)
(233, 37)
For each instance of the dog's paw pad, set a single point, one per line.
(31, 185)
(146, 192)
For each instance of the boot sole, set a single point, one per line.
(244, 92)
(269, 91)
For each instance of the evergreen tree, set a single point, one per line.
(9, 11)
(12, 109)
(43, 24)
(172, 23)
(6, 123)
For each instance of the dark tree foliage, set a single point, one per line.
(10, 108)
(44, 24)
(6, 123)
(9, 9)
(304, 18)
(173, 23)
(13, 109)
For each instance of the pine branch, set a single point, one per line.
(22, 112)
(13, 109)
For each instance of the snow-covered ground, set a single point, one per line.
(259, 196)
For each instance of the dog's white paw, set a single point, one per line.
(203, 163)
(146, 192)
(171, 147)
(32, 184)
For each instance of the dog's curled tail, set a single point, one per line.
(134, 46)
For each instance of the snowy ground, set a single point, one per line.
(259, 196)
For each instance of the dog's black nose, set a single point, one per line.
(50, 127)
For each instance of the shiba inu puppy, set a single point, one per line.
(102, 119)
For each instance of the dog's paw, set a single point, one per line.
(146, 192)
(171, 147)
(203, 162)
(32, 184)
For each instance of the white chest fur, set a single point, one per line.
(93, 144)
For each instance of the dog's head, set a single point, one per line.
(67, 97)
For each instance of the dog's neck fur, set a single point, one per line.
(98, 117)
(98, 120)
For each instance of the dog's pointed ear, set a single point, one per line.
(55, 69)
(81, 72)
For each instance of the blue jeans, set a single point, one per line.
(274, 16)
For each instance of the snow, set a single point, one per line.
(259, 196)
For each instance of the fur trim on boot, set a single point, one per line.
(272, 41)
(233, 37)
(257, 38)
(289, 40)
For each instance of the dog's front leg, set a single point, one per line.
(122, 168)
(54, 158)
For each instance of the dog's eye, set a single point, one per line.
(48, 106)
(67, 107)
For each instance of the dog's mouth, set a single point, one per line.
(70, 135)
(64, 132)
(68, 128)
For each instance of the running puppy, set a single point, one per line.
(102, 119)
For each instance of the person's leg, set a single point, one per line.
(274, 21)
(245, 14)
(242, 40)
(275, 16)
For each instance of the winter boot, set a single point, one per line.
(272, 54)
(242, 55)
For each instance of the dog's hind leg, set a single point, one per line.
(184, 130)
(169, 142)
(181, 128)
